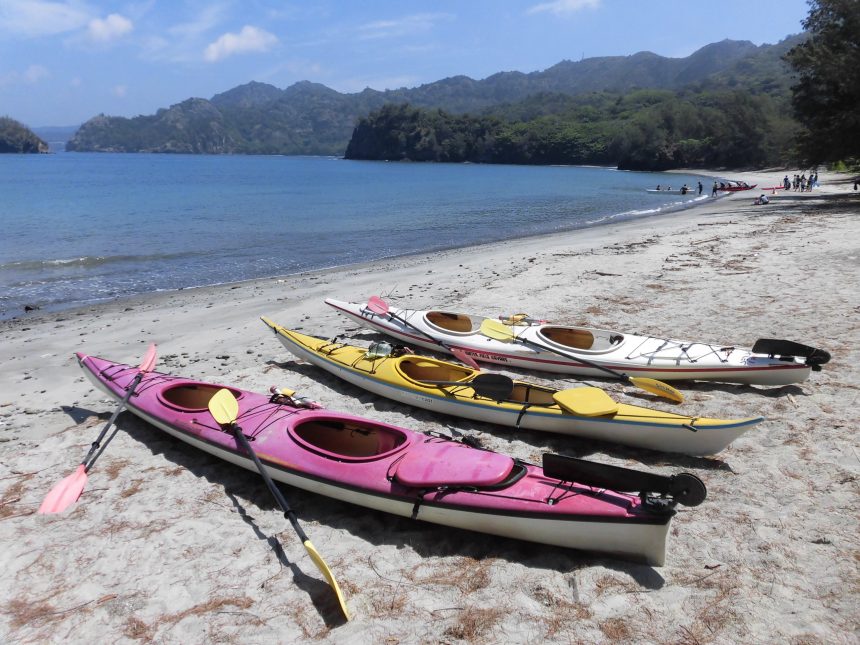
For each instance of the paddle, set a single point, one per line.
(66, 492)
(684, 488)
(493, 386)
(499, 331)
(378, 306)
(225, 409)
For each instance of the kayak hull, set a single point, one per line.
(524, 505)
(630, 425)
(663, 359)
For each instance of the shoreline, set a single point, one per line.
(173, 544)
(608, 220)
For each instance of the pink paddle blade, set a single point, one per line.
(149, 358)
(464, 357)
(377, 305)
(65, 493)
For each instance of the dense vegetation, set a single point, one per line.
(574, 112)
(826, 97)
(645, 129)
(15, 137)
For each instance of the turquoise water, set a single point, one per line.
(82, 228)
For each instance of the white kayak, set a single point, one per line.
(589, 352)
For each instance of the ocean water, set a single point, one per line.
(78, 228)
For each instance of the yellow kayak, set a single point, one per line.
(461, 391)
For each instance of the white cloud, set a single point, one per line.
(119, 90)
(35, 73)
(40, 18)
(207, 19)
(561, 7)
(30, 76)
(110, 28)
(250, 39)
(402, 26)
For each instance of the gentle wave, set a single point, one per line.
(90, 261)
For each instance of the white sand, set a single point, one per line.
(169, 545)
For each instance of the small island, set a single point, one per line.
(16, 137)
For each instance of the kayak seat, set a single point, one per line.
(444, 463)
(586, 401)
(427, 370)
(450, 322)
(336, 438)
(569, 337)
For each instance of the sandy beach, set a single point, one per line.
(170, 545)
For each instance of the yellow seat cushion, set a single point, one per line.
(586, 401)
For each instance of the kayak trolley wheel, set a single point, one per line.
(688, 489)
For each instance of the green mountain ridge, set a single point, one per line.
(310, 118)
(15, 137)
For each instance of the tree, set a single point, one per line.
(826, 98)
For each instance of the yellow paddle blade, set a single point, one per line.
(329, 576)
(658, 387)
(496, 329)
(586, 401)
(224, 407)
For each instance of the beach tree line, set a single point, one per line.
(826, 97)
(640, 130)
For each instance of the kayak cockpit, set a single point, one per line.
(588, 340)
(452, 323)
(429, 371)
(345, 440)
(190, 396)
(531, 394)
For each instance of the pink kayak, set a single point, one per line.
(426, 477)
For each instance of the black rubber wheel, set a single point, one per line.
(688, 489)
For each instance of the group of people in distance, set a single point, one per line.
(684, 189)
(800, 182)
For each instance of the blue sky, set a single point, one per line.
(64, 61)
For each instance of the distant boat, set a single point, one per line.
(733, 186)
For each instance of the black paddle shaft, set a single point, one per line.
(87, 462)
(418, 329)
(584, 361)
(493, 386)
(276, 493)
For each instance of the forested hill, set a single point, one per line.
(309, 118)
(16, 137)
(640, 130)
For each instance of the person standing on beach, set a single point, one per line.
(700, 188)
(714, 191)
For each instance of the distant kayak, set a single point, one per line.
(454, 389)
(422, 476)
(735, 186)
(537, 346)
